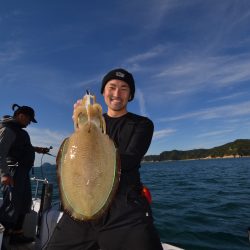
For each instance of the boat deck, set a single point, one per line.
(49, 220)
(32, 246)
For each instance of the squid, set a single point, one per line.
(88, 165)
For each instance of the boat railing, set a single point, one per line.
(44, 198)
(38, 181)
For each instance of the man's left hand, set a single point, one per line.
(41, 150)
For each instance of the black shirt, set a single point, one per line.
(132, 136)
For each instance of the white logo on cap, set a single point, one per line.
(120, 74)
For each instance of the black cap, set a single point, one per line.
(24, 110)
(120, 74)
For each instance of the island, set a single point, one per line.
(236, 149)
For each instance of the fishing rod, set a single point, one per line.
(50, 154)
(47, 153)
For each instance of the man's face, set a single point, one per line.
(23, 119)
(116, 95)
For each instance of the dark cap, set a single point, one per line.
(24, 110)
(120, 74)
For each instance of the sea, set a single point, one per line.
(197, 204)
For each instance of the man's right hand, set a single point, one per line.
(7, 180)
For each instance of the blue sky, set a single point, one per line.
(190, 60)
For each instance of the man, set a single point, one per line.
(16, 159)
(128, 223)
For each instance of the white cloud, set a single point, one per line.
(154, 52)
(163, 133)
(240, 109)
(157, 12)
(10, 52)
(141, 100)
(228, 97)
(199, 71)
(234, 72)
(215, 133)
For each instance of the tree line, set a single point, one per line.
(237, 148)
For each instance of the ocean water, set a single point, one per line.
(197, 204)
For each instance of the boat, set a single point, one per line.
(42, 219)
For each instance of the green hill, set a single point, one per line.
(238, 148)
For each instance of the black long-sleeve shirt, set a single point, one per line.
(132, 136)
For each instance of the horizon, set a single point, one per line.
(199, 148)
(190, 60)
(176, 150)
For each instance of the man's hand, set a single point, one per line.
(76, 104)
(41, 150)
(7, 180)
